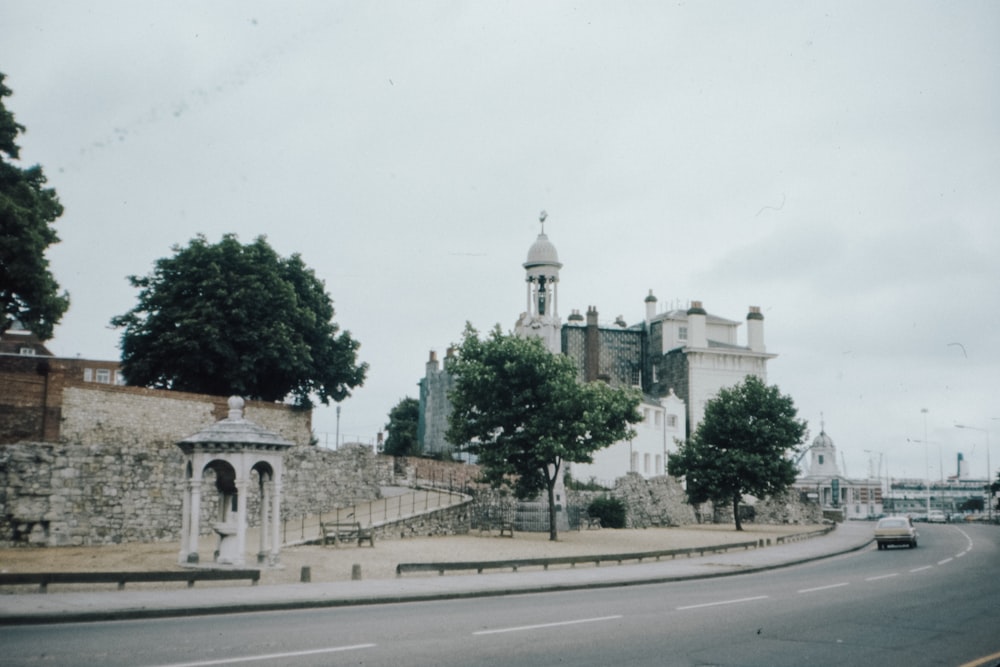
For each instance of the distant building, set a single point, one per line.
(679, 359)
(824, 484)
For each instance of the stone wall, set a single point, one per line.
(455, 520)
(98, 414)
(661, 501)
(62, 494)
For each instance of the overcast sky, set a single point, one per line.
(835, 163)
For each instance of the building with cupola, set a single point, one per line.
(678, 358)
(838, 495)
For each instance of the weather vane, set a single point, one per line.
(541, 219)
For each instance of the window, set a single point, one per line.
(88, 374)
(645, 463)
(672, 421)
(103, 376)
(659, 464)
(634, 463)
(120, 379)
(820, 459)
(682, 333)
(28, 351)
(645, 416)
(658, 418)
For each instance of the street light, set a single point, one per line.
(989, 470)
(927, 465)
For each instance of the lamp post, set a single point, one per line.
(927, 465)
(989, 470)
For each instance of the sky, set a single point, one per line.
(835, 163)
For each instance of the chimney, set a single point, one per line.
(591, 346)
(650, 306)
(432, 363)
(697, 337)
(755, 330)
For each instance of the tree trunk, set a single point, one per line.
(552, 509)
(736, 511)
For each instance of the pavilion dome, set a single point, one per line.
(542, 253)
(823, 440)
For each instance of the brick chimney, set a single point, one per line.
(591, 346)
(697, 336)
(755, 330)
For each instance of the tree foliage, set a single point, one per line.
(402, 428)
(520, 409)
(741, 447)
(228, 318)
(28, 291)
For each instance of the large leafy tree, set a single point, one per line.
(742, 446)
(228, 318)
(28, 291)
(520, 409)
(402, 428)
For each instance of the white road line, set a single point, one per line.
(547, 625)
(920, 569)
(959, 555)
(269, 656)
(882, 576)
(946, 560)
(823, 588)
(715, 604)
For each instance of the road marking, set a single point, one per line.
(822, 588)
(715, 604)
(959, 555)
(547, 625)
(882, 576)
(269, 656)
(946, 560)
(981, 661)
(919, 569)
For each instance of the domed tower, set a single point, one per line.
(823, 461)
(541, 319)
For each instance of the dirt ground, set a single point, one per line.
(337, 563)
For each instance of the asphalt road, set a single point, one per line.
(935, 605)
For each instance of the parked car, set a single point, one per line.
(895, 530)
(936, 516)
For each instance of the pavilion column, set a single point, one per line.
(262, 519)
(241, 519)
(195, 518)
(185, 521)
(276, 519)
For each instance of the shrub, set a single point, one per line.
(610, 510)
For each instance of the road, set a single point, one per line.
(938, 604)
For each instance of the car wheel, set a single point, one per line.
(913, 544)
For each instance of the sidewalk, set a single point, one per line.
(115, 605)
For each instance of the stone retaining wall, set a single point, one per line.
(61, 494)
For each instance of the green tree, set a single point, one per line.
(28, 291)
(402, 428)
(742, 446)
(237, 319)
(520, 409)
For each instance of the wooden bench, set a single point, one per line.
(346, 532)
(43, 579)
(507, 527)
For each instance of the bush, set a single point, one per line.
(576, 485)
(611, 511)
